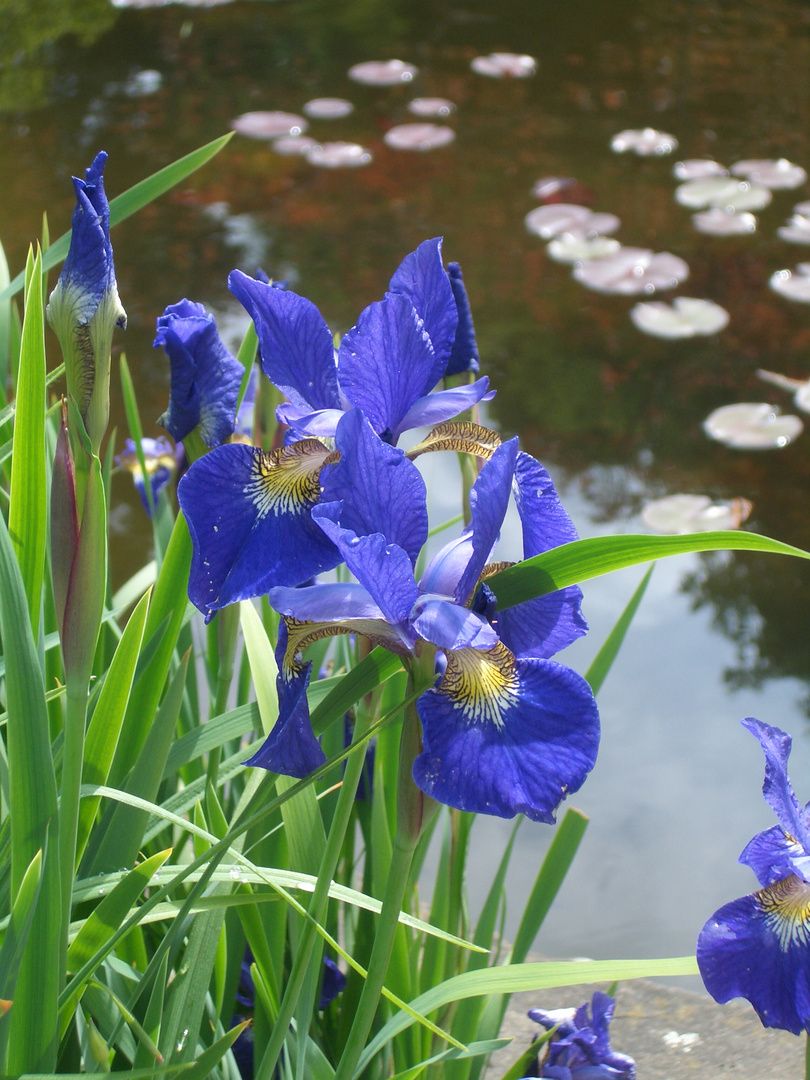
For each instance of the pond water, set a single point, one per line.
(614, 413)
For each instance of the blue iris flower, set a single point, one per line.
(161, 460)
(506, 730)
(387, 364)
(580, 1047)
(84, 308)
(249, 511)
(758, 947)
(205, 377)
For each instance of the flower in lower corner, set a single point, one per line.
(506, 730)
(580, 1049)
(758, 947)
(84, 308)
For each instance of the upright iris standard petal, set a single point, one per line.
(505, 736)
(84, 308)
(758, 947)
(421, 277)
(464, 353)
(295, 344)
(386, 362)
(776, 787)
(205, 377)
(249, 516)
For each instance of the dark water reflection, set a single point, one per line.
(617, 412)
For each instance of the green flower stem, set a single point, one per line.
(807, 1057)
(72, 759)
(227, 628)
(320, 898)
(413, 810)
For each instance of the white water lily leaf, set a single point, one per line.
(685, 317)
(779, 174)
(797, 230)
(725, 192)
(558, 218)
(646, 142)
(328, 108)
(678, 514)
(499, 65)
(752, 426)
(794, 284)
(633, 270)
(419, 136)
(549, 186)
(382, 72)
(575, 248)
(719, 222)
(698, 169)
(799, 388)
(269, 125)
(339, 155)
(294, 145)
(431, 106)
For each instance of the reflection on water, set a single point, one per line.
(617, 412)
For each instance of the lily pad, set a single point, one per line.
(269, 125)
(328, 108)
(779, 174)
(431, 106)
(794, 284)
(646, 142)
(382, 72)
(725, 192)
(752, 426)
(499, 65)
(797, 230)
(419, 136)
(799, 388)
(678, 514)
(720, 222)
(339, 155)
(558, 218)
(294, 145)
(698, 169)
(575, 248)
(633, 270)
(685, 317)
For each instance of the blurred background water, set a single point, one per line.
(614, 414)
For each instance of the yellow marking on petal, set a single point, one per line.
(483, 683)
(300, 635)
(786, 907)
(287, 481)
(494, 568)
(464, 438)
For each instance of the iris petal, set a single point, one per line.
(758, 947)
(450, 626)
(505, 736)
(545, 521)
(464, 353)
(544, 626)
(774, 855)
(381, 491)
(297, 352)
(249, 517)
(445, 404)
(421, 277)
(386, 362)
(776, 787)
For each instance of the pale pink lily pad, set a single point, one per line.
(294, 145)
(678, 514)
(779, 174)
(802, 208)
(431, 106)
(719, 222)
(328, 108)
(382, 72)
(339, 155)
(725, 192)
(499, 65)
(419, 136)
(752, 426)
(576, 248)
(685, 317)
(794, 284)
(550, 186)
(797, 230)
(558, 218)
(269, 125)
(799, 388)
(633, 270)
(646, 142)
(698, 169)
